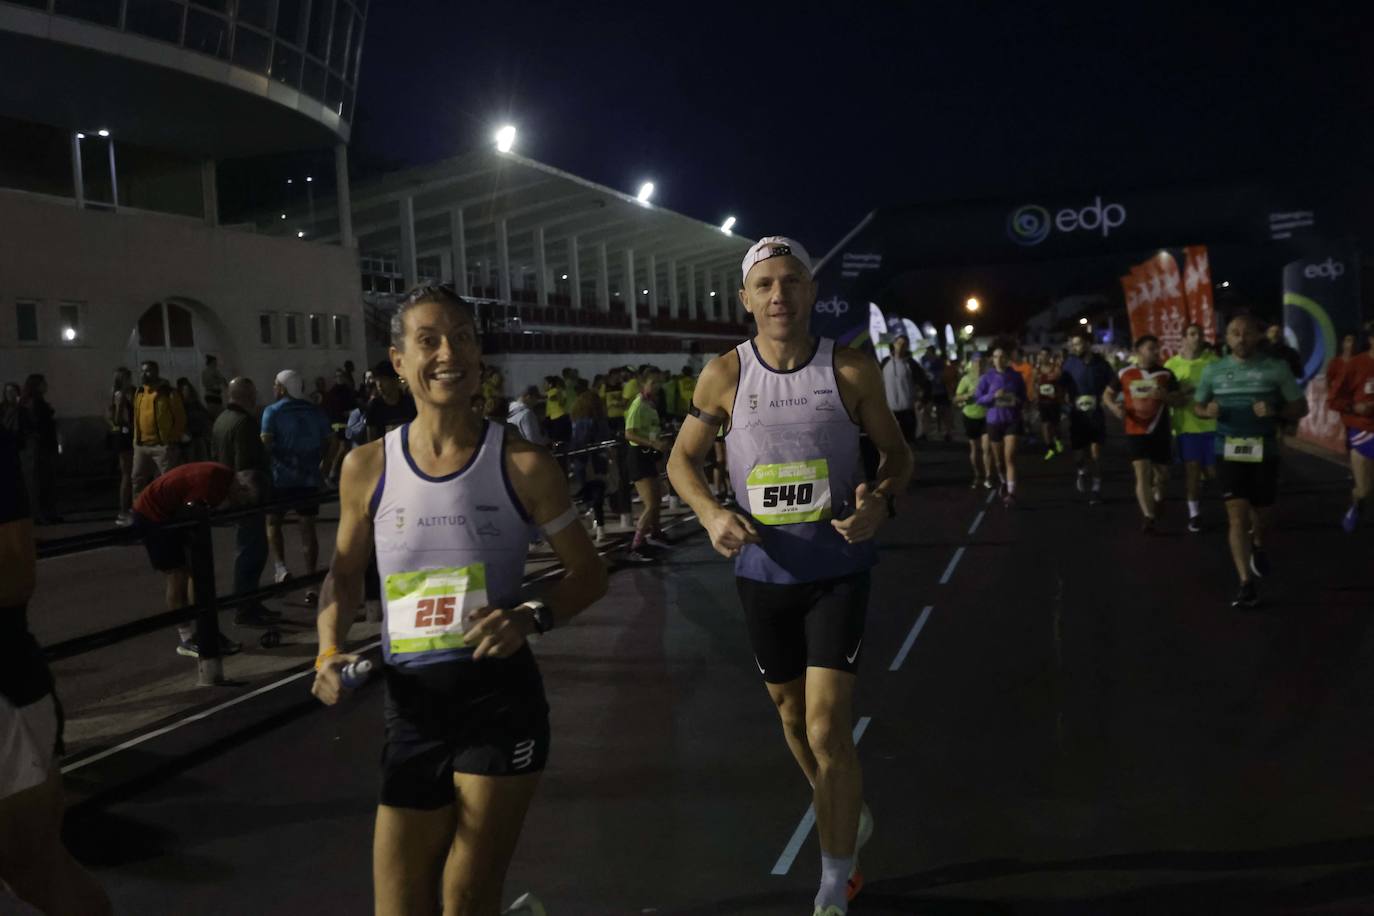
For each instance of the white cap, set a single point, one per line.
(291, 380)
(771, 247)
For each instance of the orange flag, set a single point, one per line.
(1197, 289)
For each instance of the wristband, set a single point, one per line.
(319, 659)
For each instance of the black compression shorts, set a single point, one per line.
(488, 718)
(808, 625)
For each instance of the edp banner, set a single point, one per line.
(1321, 298)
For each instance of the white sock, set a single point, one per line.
(1011, 486)
(1097, 484)
(186, 631)
(834, 882)
(1193, 510)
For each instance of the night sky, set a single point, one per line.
(799, 118)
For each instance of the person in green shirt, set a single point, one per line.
(643, 429)
(1248, 394)
(975, 423)
(1195, 436)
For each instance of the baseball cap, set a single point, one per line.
(774, 246)
(291, 380)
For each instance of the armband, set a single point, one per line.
(556, 525)
(710, 419)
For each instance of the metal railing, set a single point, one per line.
(204, 610)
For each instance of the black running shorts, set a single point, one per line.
(488, 718)
(1084, 431)
(644, 463)
(1256, 482)
(1156, 447)
(974, 427)
(1049, 412)
(808, 625)
(999, 431)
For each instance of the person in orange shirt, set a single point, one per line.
(1049, 393)
(1026, 369)
(1146, 391)
(1353, 399)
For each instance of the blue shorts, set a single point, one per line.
(1199, 447)
(1360, 441)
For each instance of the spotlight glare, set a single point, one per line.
(728, 225)
(505, 138)
(646, 190)
(103, 132)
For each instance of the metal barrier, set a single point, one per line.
(204, 610)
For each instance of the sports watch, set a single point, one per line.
(543, 617)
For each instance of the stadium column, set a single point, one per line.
(574, 273)
(458, 256)
(343, 196)
(672, 288)
(410, 272)
(502, 261)
(541, 268)
(209, 193)
(603, 279)
(651, 267)
(691, 310)
(78, 181)
(630, 290)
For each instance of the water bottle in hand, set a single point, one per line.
(355, 674)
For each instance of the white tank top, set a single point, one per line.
(794, 460)
(446, 546)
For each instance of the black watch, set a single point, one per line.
(543, 617)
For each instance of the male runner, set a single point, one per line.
(802, 540)
(1353, 399)
(449, 500)
(1147, 390)
(1194, 435)
(1086, 375)
(1248, 394)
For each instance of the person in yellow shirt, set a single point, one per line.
(558, 425)
(685, 384)
(612, 392)
(159, 426)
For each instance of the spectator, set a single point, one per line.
(236, 444)
(198, 422)
(496, 408)
(295, 433)
(9, 410)
(321, 389)
(339, 402)
(212, 383)
(119, 418)
(159, 424)
(613, 396)
(38, 425)
(589, 470)
(685, 385)
(170, 498)
(643, 429)
(347, 370)
(524, 416)
(34, 864)
(559, 425)
(905, 383)
(391, 406)
(1279, 349)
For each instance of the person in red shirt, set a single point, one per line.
(1353, 398)
(1140, 396)
(1049, 393)
(171, 498)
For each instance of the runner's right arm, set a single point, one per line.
(711, 405)
(342, 591)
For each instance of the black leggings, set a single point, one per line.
(593, 493)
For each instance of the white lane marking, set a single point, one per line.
(83, 553)
(808, 820)
(977, 520)
(991, 494)
(203, 714)
(949, 570)
(911, 638)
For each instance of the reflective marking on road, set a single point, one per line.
(911, 638)
(977, 520)
(808, 820)
(949, 570)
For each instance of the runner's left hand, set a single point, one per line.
(869, 513)
(499, 632)
(1261, 409)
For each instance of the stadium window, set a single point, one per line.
(160, 19)
(26, 321)
(256, 13)
(70, 327)
(105, 12)
(341, 331)
(267, 322)
(180, 328)
(152, 332)
(317, 331)
(252, 50)
(293, 329)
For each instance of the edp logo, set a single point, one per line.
(1031, 224)
(1331, 270)
(832, 306)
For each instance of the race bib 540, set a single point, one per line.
(429, 609)
(785, 494)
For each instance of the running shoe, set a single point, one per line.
(1082, 482)
(1195, 524)
(1247, 597)
(638, 556)
(190, 649)
(281, 574)
(830, 911)
(655, 540)
(856, 877)
(987, 483)
(1008, 500)
(1259, 561)
(312, 598)
(123, 520)
(1059, 446)
(1094, 497)
(1351, 520)
(599, 537)
(1050, 453)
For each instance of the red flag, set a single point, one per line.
(1137, 309)
(1172, 307)
(1197, 289)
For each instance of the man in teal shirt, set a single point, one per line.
(1248, 394)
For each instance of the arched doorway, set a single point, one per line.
(177, 333)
